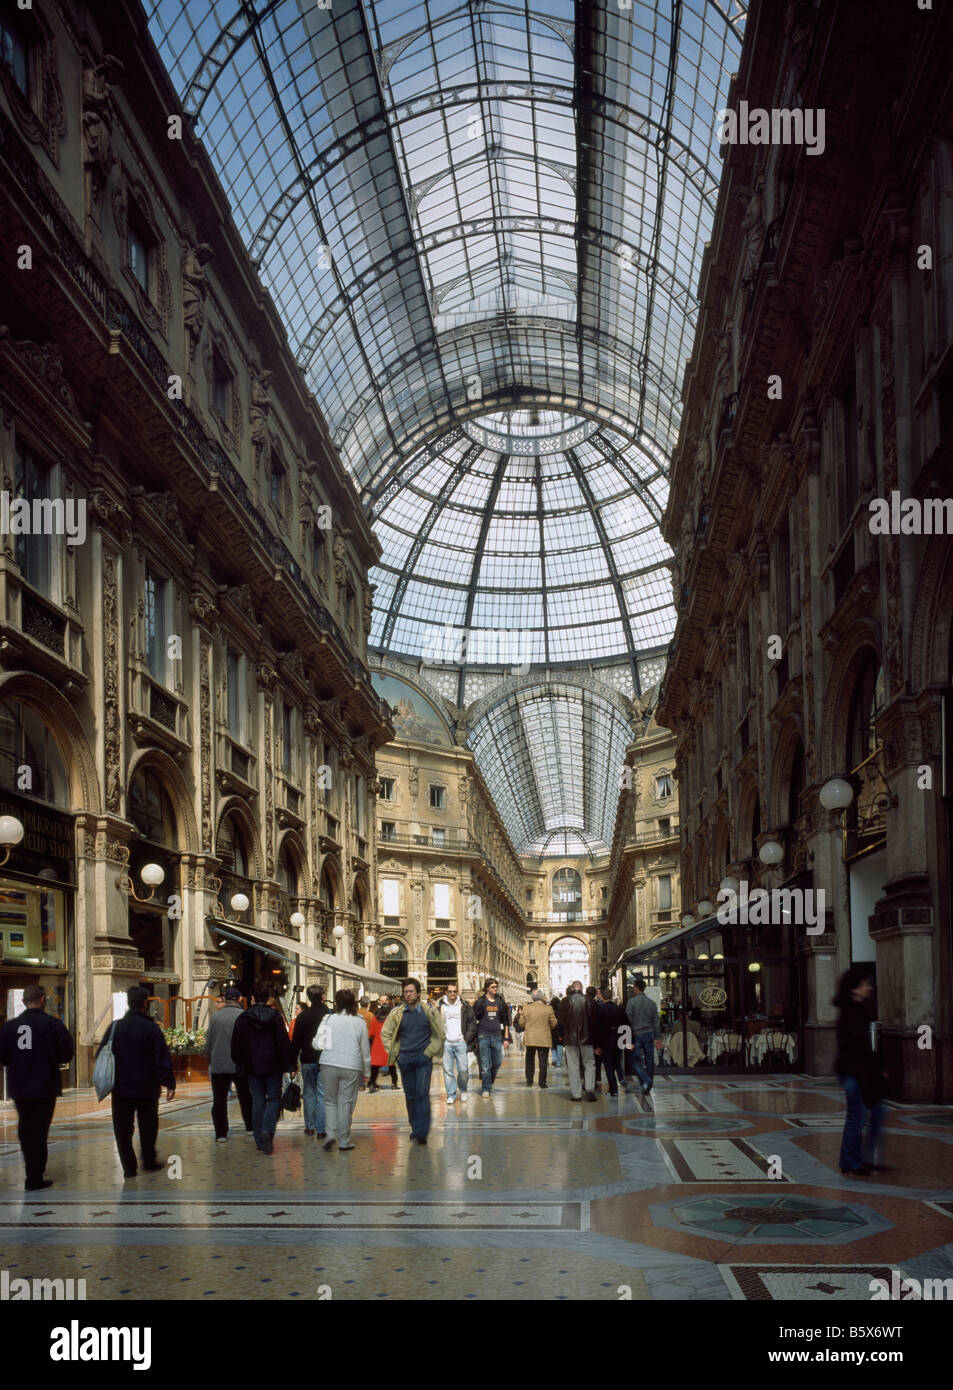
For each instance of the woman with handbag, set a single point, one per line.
(859, 1072)
(345, 1050)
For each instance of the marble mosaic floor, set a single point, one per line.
(714, 1188)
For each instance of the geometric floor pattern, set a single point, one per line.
(715, 1187)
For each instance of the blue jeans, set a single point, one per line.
(455, 1067)
(265, 1105)
(312, 1095)
(643, 1056)
(857, 1147)
(491, 1058)
(415, 1074)
(558, 1055)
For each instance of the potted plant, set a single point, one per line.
(187, 1046)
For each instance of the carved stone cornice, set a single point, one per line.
(203, 611)
(158, 513)
(239, 605)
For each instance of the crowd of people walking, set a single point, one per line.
(347, 1048)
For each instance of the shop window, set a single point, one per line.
(32, 924)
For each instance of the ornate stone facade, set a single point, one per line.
(808, 647)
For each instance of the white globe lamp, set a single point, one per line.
(238, 902)
(771, 852)
(836, 794)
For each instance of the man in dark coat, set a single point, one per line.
(302, 1040)
(609, 1018)
(143, 1067)
(263, 1051)
(32, 1046)
(576, 1024)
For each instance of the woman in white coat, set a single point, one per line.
(345, 1049)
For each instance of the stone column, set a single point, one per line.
(102, 930)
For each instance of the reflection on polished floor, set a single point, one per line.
(521, 1196)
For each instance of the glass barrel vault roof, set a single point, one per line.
(482, 225)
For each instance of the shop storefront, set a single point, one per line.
(728, 994)
(37, 893)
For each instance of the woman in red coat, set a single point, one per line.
(378, 1052)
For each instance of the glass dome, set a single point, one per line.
(523, 539)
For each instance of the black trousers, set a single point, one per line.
(34, 1117)
(220, 1082)
(531, 1054)
(613, 1062)
(126, 1113)
(393, 1076)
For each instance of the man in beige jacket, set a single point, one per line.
(538, 1036)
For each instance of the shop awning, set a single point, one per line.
(672, 942)
(288, 949)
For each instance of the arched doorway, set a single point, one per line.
(441, 965)
(568, 961)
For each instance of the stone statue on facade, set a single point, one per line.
(194, 290)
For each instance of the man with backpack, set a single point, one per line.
(413, 1036)
(32, 1046)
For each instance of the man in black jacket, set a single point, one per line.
(302, 1038)
(609, 1017)
(490, 1027)
(32, 1046)
(263, 1051)
(143, 1067)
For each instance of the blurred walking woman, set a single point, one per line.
(345, 1057)
(859, 1072)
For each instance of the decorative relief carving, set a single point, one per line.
(111, 719)
(194, 290)
(203, 610)
(166, 508)
(45, 363)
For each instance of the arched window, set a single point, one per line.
(567, 895)
(865, 708)
(328, 894)
(30, 762)
(796, 783)
(150, 809)
(287, 871)
(232, 847)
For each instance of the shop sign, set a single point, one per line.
(48, 841)
(161, 979)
